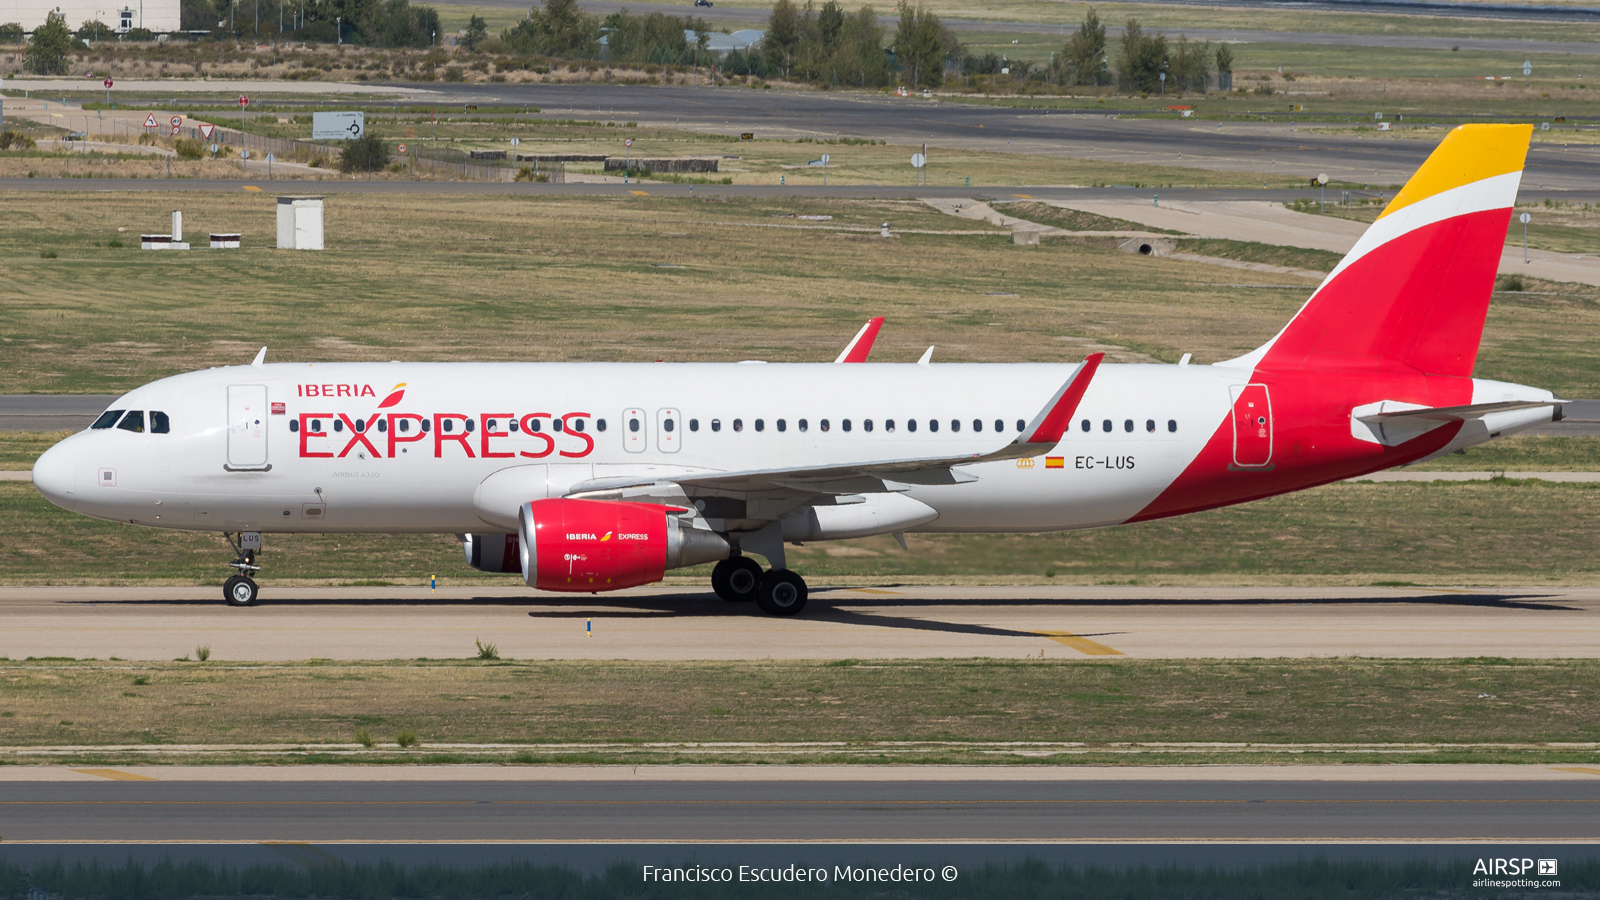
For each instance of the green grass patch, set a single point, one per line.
(1271, 254)
(947, 704)
(1072, 219)
(1438, 533)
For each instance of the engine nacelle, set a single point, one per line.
(497, 553)
(606, 545)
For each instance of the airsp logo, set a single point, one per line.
(1547, 867)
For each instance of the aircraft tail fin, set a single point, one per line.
(1414, 291)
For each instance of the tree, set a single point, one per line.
(830, 22)
(12, 33)
(1224, 68)
(93, 30)
(1139, 67)
(197, 15)
(47, 49)
(560, 29)
(1190, 66)
(783, 36)
(367, 153)
(921, 44)
(1083, 59)
(477, 33)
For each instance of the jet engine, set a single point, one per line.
(497, 553)
(606, 545)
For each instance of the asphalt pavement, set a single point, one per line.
(620, 807)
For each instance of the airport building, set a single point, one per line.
(159, 16)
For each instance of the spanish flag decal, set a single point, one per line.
(1055, 462)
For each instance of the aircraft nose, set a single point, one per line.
(55, 475)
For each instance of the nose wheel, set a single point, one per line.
(241, 589)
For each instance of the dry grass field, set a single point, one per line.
(627, 705)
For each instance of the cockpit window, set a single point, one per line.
(107, 419)
(133, 421)
(159, 424)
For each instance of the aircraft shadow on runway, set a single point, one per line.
(859, 612)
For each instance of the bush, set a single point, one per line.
(365, 154)
(202, 652)
(139, 34)
(15, 140)
(486, 651)
(1512, 283)
(116, 244)
(364, 738)
(454, 74)
(12, 33)
(47, 254)
(406, 738)
(190, 149)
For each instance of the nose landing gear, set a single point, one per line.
(241, 589)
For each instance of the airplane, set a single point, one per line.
(590, 477)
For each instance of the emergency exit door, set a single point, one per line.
(247, 426)
(1252, 426)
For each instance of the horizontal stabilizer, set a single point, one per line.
(1392, 422)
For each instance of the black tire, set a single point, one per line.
(782, 593)
(240, 591)
(736, 579)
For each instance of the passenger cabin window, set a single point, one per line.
(999, 426)
(761, 425)
(716, 424)
(911, 424)
(1106, 426)
(1021, 425)
(977, 425)
(888, 425)
(738, 424)
(933, 424)
(133, 421)
(339, 426)
(804, 425)
(782, 425)
(577, 425)
(955, 424)
(1149, 424)
(361, 425)
(1085, 424)
(107, 418)
(470, 426)
(866, 424)
(823, 425)
(600, 425)
(1127, 425)
(694, 424)
(845, 424)
(1172, 425)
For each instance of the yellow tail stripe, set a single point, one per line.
(1468, 153)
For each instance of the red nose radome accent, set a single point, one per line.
(1053, 426)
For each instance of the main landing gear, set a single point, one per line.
(241, 589)
(778, 592)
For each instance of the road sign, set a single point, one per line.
(344, 125)
(215, 148)
(628, 142)
(271, 158)
(918, 160)
(1527, 67)
(108, 83)
(177, 121)
(150, 121)
(244, 154)
(205, 131)
(747, 135)
(1524, 218)
(515, 141)
(402, 148)
(243, 101)
(825, 158)
(1323, 178)
(176, 130)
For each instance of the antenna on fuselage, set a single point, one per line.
(927, 357)
(260, 357)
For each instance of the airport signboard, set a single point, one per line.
(338, 126)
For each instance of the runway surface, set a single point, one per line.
(889, 622)
(1273, 149)
(1029, 806)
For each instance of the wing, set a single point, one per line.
(864, 476)
(860, 346)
